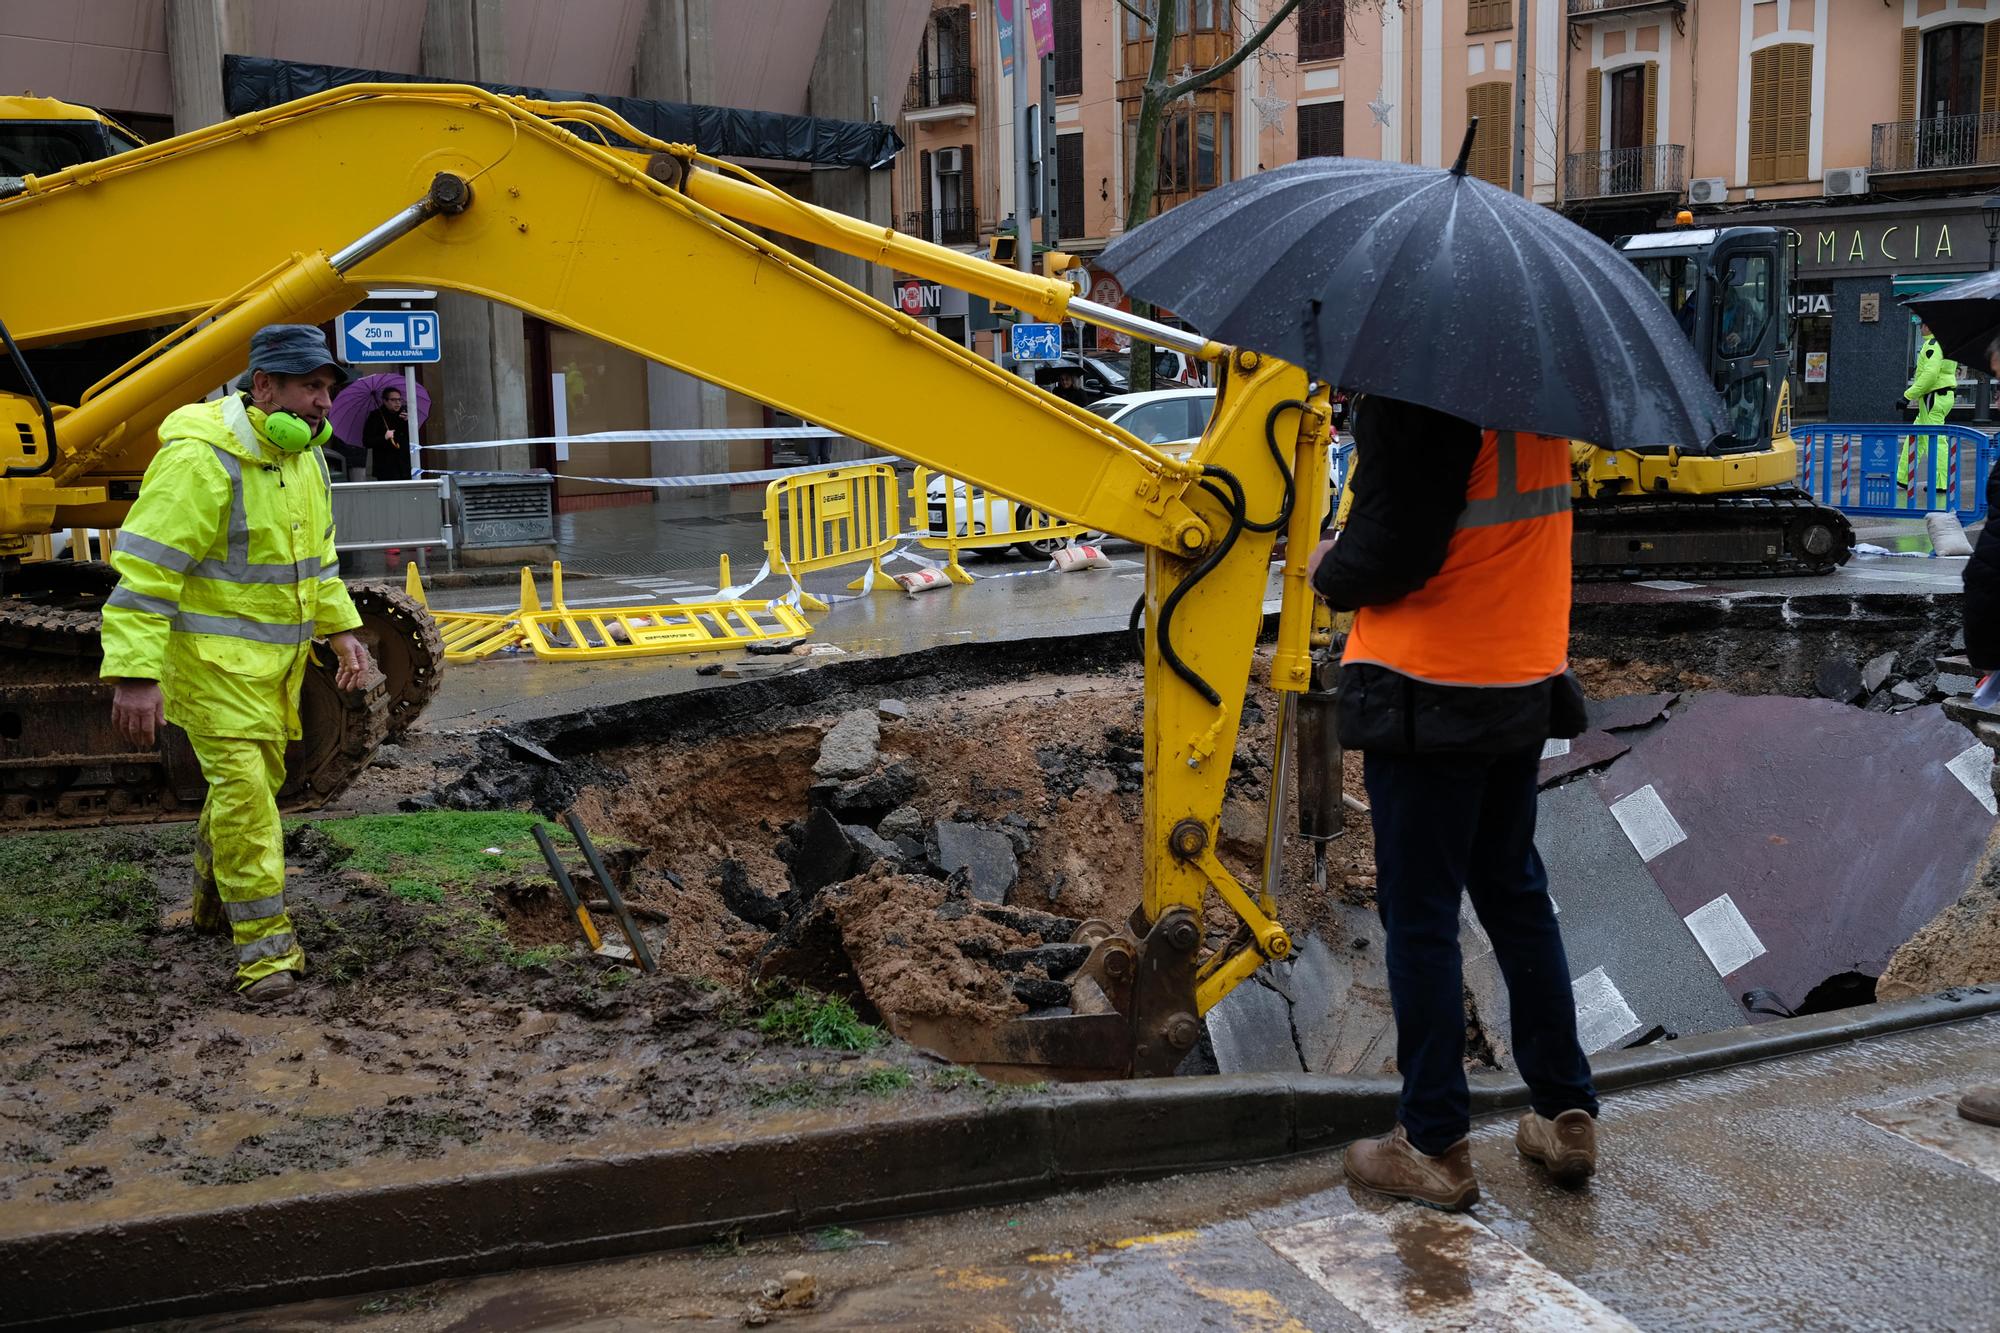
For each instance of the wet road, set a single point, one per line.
(1011, 599)
(1829, 1191)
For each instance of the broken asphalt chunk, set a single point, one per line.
(850, 746)
(986, 857)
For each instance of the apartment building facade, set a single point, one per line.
(1872, 130)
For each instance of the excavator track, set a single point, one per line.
(62, 764)
(1774, 533)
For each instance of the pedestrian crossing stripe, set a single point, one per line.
(1416, 1269)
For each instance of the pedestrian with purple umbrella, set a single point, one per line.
(386, 434)
(371, 415)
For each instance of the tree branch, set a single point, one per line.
(1135, 12)
(1195, 82)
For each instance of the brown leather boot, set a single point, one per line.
(270, 989)
(1566, 1145)
(1981, 1105)
(1392, 1165)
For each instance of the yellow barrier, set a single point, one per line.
(471, 635)
(963, 517)
(839, 516)
(566, 634)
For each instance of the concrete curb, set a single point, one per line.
(342, 1242)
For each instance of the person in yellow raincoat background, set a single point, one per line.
(1934, 390)
(227, 573)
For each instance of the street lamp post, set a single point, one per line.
(1990, 214)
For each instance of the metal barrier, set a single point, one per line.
(380, 515)
(567, 634)
(962, 517)
(833, 517)
(471, 635)
(1854, 468)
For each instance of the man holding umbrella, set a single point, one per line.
(1528, 333)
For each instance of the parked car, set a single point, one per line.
(1171, 417)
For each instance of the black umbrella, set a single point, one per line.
(1432, 287)
(1965, 317)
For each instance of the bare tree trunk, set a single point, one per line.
(1158, 96)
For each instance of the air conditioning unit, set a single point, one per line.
(1708, 190)
(1846, 181)
(949, 161)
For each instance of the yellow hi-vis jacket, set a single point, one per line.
(226, 574)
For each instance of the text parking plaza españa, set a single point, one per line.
(400, 336)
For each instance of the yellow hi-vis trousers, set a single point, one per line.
(239, 854)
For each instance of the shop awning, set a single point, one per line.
(252, 83)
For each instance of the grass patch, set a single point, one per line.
(448, 861)
(76, 909)
(828, 1022)
(836, 1239)
(884, 1082)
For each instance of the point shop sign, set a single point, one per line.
(919, 299)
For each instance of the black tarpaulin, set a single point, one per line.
(252, 83)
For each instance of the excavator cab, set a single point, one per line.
(1728, 289)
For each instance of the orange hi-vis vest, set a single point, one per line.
(1497, 612)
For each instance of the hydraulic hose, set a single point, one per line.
(1284, 468)
(1235, 502)
(42, 401)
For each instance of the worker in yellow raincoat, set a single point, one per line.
(227, 574)
(1934, 391)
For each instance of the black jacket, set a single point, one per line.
(1982, 587)
(1411, 469)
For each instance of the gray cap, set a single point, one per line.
(291, 349)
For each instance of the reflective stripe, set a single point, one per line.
(152, 552)
(257, 909)
(125, 599)
(330, 570)
(232, 627)
(271, 946)
(237, 568)
(1509, 505)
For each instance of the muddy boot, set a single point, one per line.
(1566, 1145)
(1981, 1105)
(1392, 1165)
(267, 990)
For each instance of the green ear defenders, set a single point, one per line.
(290, 432)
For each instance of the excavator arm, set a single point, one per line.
(570, 214)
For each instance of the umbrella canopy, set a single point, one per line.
(1965, 317)
(357, 398)
(1432, 287)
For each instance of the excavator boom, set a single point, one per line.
(650, 246)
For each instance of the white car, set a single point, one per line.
(1174, 418)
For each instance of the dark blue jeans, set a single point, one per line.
(1447, 824)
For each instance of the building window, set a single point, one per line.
(1493, 147)
(947, 213)
(1069, 186)
(1069, 47)
(1195, 148)
(1953, 56)
(1322, 29)
(1323, 129)
(1489, 15)
(1781, 112)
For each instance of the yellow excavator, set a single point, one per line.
(1732, 507)
(567, 212)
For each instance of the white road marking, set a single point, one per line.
(1934, 1123)
(1554, 748)
(1603, 1019)
(1974, 768)
(1648, 823)
(1666, 585)
(1719, 928)
(1412, 1268)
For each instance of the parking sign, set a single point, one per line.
(401, 337)
(1035, 342)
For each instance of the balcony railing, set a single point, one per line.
(1941, 143)
(947, 85)
(944, 226)
(1583, 9)
(1655, 169)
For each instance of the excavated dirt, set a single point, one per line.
(1961, 945)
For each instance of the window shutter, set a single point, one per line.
(1989, 72)
(1593, 110)
(1652, 103)
(1911, 40)
(1764, 115)
(1492, 150)
(1793, 148)
(924, 204)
